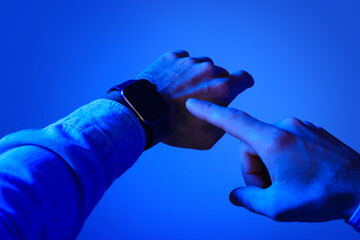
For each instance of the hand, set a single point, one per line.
(180, 77)
(294, 171)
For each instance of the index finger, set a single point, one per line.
(235, 122)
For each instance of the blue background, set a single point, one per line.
(304, 55)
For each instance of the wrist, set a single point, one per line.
(151, 109)
(116, 96)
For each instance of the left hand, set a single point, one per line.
(179, 77)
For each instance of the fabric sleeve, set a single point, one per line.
(354, 220)
(51, 179)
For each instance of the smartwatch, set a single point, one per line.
(143, 99)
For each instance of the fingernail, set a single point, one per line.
(191, 102)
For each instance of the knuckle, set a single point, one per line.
(209, 60)
(169, 56)
(230, 115)
(182, 53)
(207, 107)
(189, 61)
(281, 139)
(293, 121)
(207, 67)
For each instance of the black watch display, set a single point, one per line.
(143, 99)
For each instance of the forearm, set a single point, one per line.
(51, 179)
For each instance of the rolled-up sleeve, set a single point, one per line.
(51, 179)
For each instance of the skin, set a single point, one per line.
(294, 170)
(179, 77)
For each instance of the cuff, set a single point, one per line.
(115, 132)
(354, 220)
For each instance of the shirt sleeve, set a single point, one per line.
(51, 179)
(354, 220)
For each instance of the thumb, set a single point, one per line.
(238, 82)
(242, 80)
(255, 199)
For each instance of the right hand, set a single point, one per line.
(294, 171)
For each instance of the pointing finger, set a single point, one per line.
(235, 122)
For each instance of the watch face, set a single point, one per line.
(145, 100)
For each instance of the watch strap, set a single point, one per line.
(154, 131)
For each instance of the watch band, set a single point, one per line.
(155, 131)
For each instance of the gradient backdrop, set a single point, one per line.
(304, 55)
